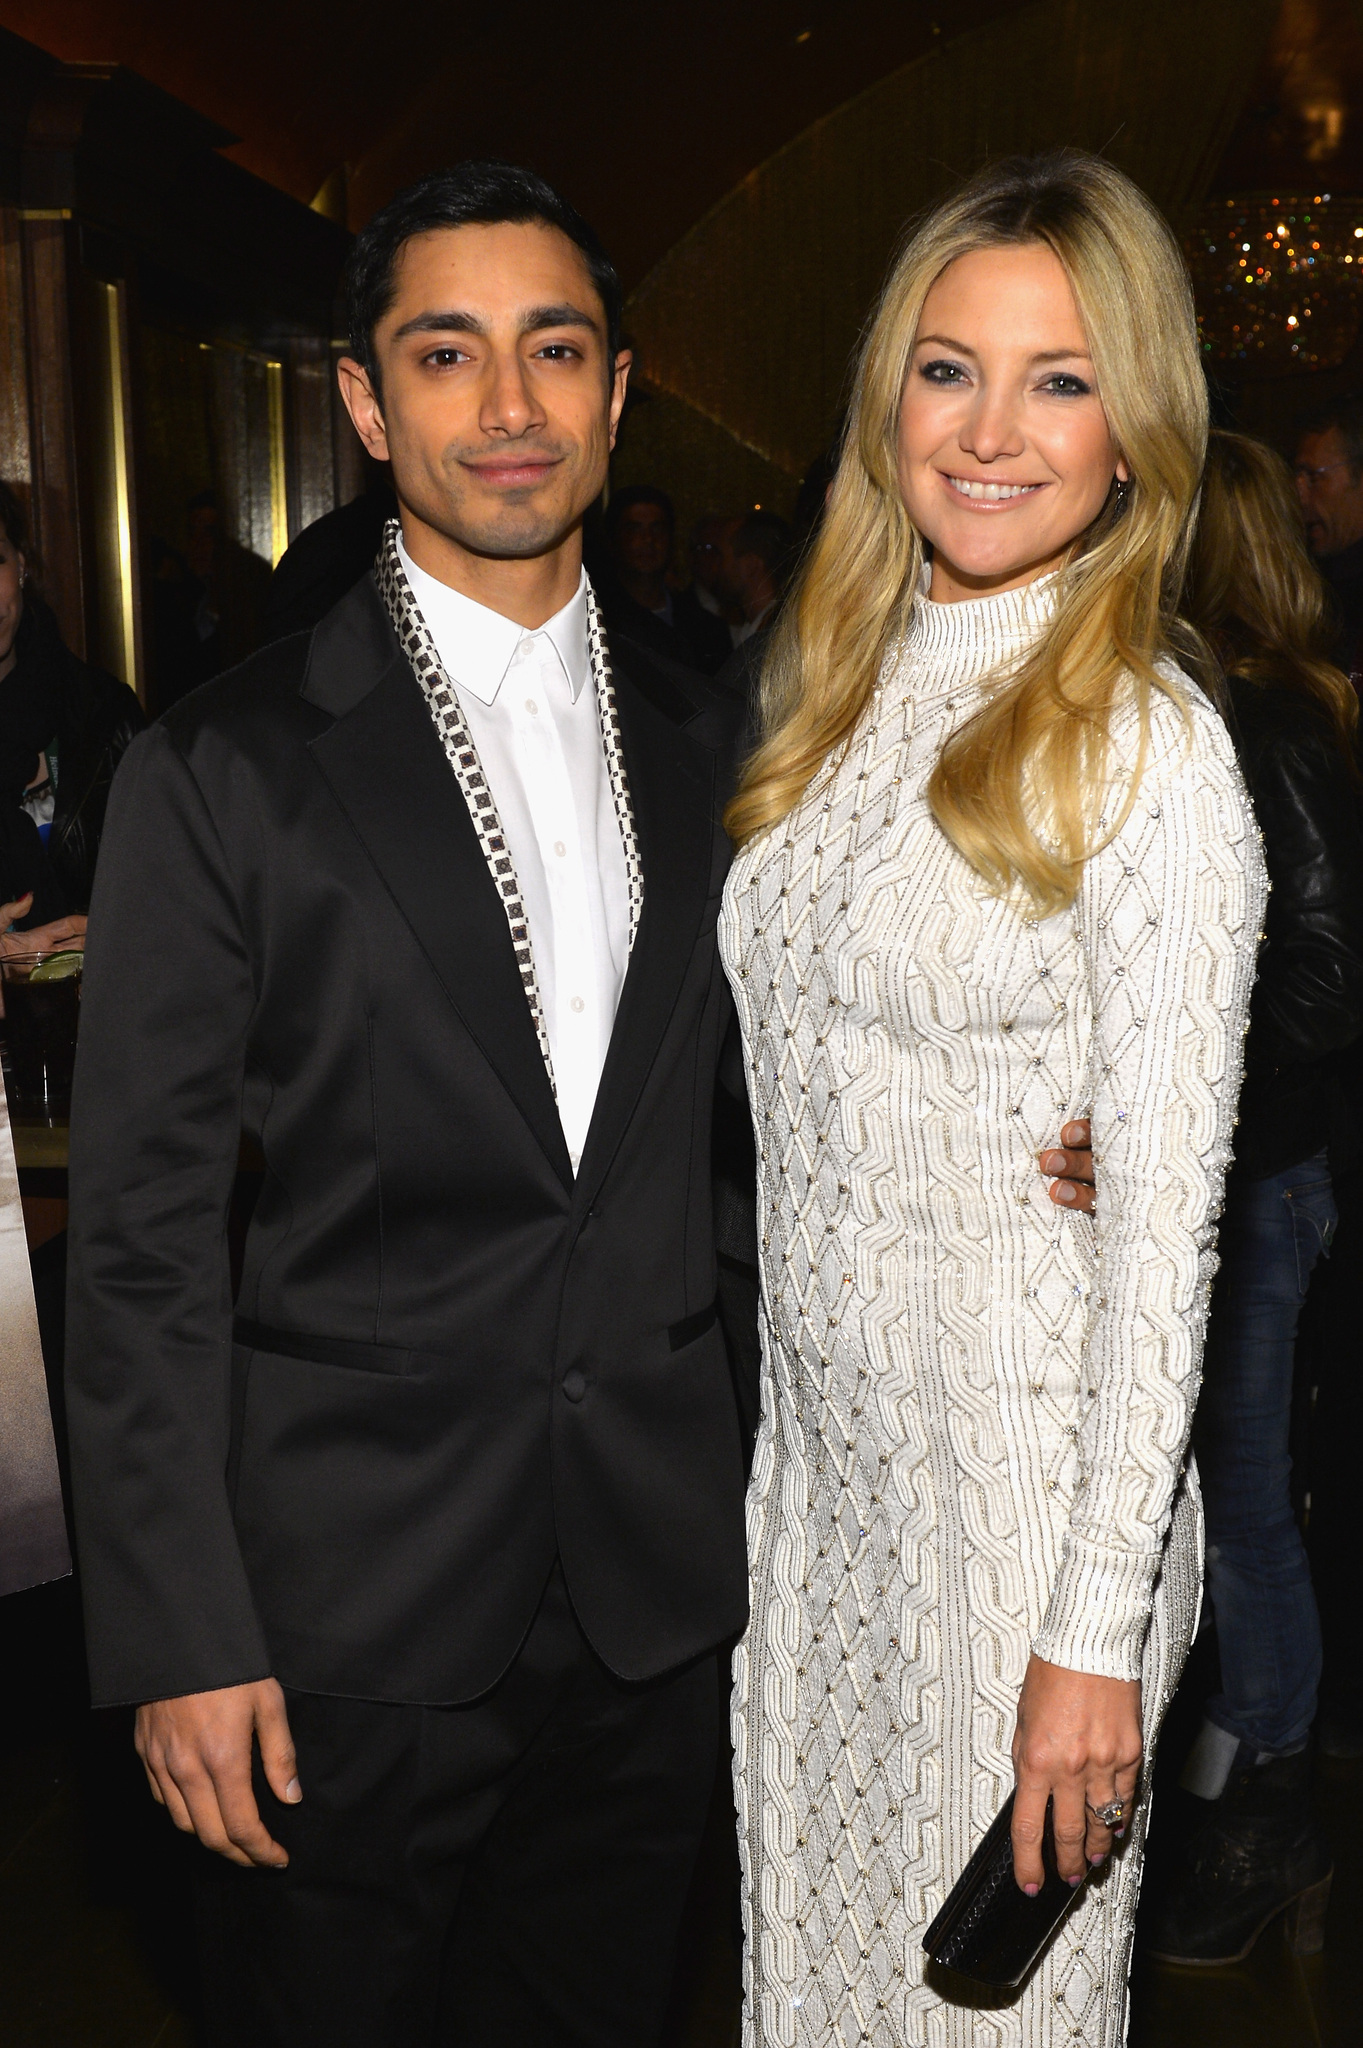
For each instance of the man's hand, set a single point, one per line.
(196, 1751)
(44, 938)
(1071, 1171)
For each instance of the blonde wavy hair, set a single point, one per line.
(1017, 787)
(1253, 592)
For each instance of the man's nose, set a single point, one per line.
(509, 405)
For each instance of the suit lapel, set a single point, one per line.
(387, 770)
(671, 780)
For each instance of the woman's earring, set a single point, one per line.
(1123, 486)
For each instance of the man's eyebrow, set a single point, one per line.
(441, 323)
(963, 348)
(534, 320)
(566, 314)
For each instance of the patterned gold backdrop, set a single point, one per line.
(745, 329)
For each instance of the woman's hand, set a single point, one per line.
(1078, 1744)
(44, 938)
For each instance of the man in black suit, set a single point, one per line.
(417, 1564)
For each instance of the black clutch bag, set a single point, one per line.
(989, 1929)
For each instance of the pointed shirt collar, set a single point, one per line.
(476, 645)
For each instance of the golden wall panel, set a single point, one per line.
(15, 459)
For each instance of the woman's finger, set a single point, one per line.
(1029, 1825)
(1101, 1838)
(1069, 1824)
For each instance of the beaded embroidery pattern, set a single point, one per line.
(955, 1372)
(442, 700)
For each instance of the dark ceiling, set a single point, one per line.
(645, 114)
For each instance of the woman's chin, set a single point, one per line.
(979, 570)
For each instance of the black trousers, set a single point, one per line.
(508, 1872)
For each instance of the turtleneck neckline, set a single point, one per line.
(949, 645)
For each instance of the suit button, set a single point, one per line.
(574, 1384)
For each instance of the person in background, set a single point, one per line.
(326, 560)
(762, 551)
(761, 560)
(1260, 605)
(1328, 469)
(64, 726)
(212, 616)
(636, 597)
(714, 581)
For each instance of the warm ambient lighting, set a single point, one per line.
(1276, 281)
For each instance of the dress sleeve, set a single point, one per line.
(1169, 916)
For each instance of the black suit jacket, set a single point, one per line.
(453, 1360)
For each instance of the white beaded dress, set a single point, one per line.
(975, 1405)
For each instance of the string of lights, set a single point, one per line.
(1278, 280)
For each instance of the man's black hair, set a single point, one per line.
(483, 193)
(1345, 413)
(624, 500)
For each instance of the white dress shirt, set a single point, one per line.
(529, 701)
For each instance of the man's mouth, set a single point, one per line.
(514, 472)
(980, 492)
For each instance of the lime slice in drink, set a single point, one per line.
(58, 966)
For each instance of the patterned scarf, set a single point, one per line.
(442, 701)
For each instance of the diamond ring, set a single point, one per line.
(1112, 1815)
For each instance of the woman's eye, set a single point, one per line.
(1064, 384)
(942, 372)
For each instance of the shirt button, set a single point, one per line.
(532, 707)
(559, 848)
(578, 1004)
(574, 1384)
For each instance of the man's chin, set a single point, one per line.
(514, 538)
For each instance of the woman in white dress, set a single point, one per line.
(996, 870)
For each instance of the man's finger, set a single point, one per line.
(1070, 1194)
(1029, 1825)
(229, 1770)
(200, 1798)
(277, 1754)
(244, 1827)
(1076, 1166)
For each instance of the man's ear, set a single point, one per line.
(619, 381)
(361, 402)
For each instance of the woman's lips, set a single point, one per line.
(979, 491)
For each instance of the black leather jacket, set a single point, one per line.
(1306, 1013)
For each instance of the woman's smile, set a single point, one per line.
(987, 492)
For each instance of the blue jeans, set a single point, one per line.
(1272, 1234)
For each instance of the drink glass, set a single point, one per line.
(42, 1010)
